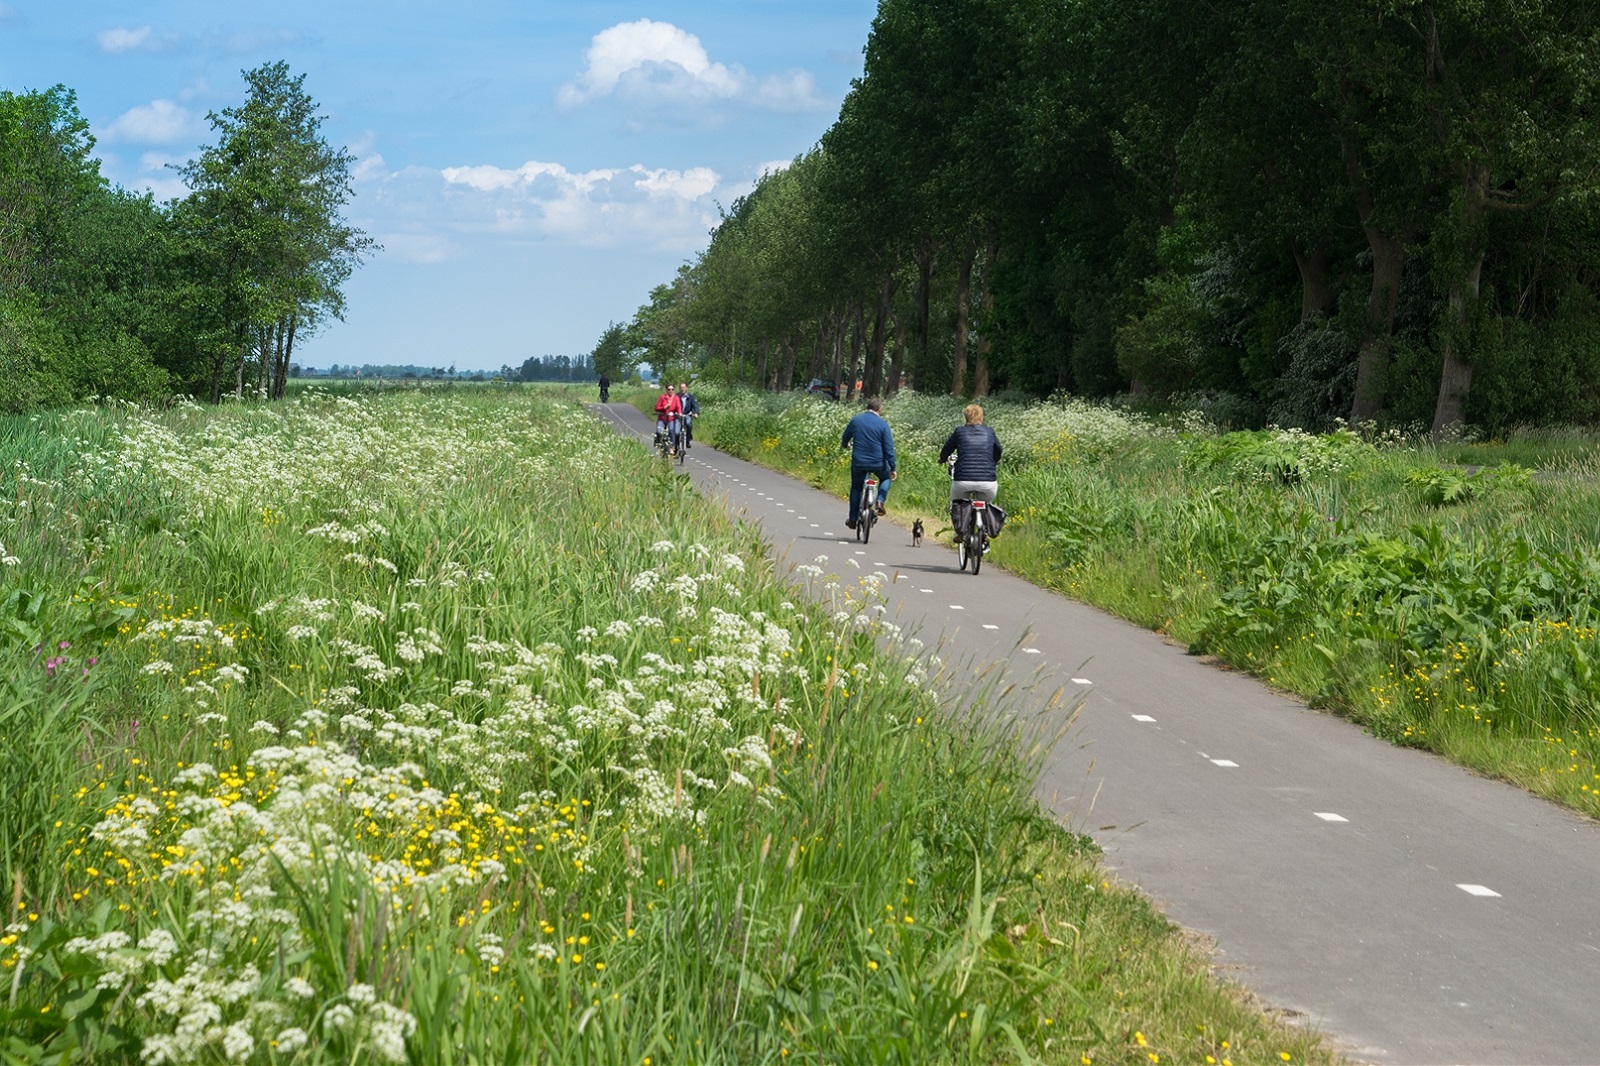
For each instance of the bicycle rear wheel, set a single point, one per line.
(975, 551)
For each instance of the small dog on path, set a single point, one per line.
(916, 533)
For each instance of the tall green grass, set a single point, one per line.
(449, 727)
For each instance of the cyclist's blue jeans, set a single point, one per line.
(858, 480)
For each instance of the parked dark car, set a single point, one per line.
(823, 387)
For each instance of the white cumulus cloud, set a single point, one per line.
(656, 63)
(122, 39)
(424, 216)
(691, 184)
(158, 122)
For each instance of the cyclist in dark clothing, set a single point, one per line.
(691, 411)
(977, 452)
(605, 388)
(872, 452)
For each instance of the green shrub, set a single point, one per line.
(1438, 487)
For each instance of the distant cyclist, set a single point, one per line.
(872, 452)
(977, 452)
(691, 411)
(605, 388)
(668, 412)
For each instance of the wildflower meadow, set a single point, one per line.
(446, 726)
(1444, 594)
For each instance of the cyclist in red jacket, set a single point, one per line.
(669, 409)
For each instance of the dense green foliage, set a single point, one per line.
(104, 293)
(1285, 212)
(395, 755)
(1445, 596)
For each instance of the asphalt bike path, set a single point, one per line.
(1409, 910)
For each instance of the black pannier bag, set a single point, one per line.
(960, 517)
(961, 512)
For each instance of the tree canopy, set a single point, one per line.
(104, 292)
(1289, 211)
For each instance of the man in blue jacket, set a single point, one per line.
(872, 452)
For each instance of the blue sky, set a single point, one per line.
(531, 169)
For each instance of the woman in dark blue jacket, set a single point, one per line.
(977, 452)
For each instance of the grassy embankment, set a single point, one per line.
(1446, 597)
(328, 737)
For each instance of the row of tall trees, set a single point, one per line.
(1301, 210)
(555, 368)
(105, 292)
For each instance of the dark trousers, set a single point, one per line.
(858, 480)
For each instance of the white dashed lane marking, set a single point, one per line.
(927, 590)
(1478, 890)
(1224, 762)
(1328, 816)
(1033, 651)
(1082, 681)
(957, 607)
(1143, 718)
(986, 625)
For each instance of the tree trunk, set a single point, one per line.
(819, 349)
(264, 344)
(791, 350)
(872, 384)
(958, 371)
(1388, 262)
(834, 367)
(980, 375)
(280, 366)
(1317, 294)
(1455, 380)
(238, 371)
(897, 365)
(761, 366)
(925, 265)
(858, 329)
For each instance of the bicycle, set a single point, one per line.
(869, 509)
(669, 445)
(971, 545)
(688, 431)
